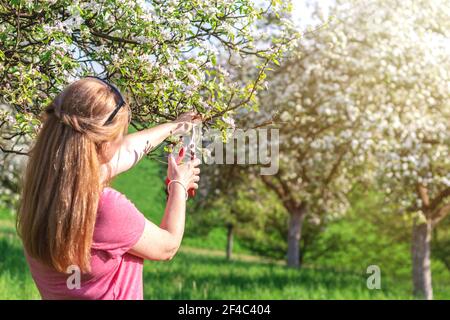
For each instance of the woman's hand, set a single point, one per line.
(185, 122)
(135, 145)
(187, 173)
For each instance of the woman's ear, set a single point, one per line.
(102, 152)
(107, 149)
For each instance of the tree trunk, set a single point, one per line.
(229, 241)
(421, 263)
(294, 235)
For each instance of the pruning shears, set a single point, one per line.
(181, 154)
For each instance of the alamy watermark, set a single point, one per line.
(243, 147)
(374, 280)
(74, 279)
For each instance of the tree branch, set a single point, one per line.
(19, 152)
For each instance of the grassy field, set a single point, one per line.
(194, 274)
(200, 271)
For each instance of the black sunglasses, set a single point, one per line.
(119, 105)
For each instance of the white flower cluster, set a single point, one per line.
(373, 87)
(72, 22)
(10, 166)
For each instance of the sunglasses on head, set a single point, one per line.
(119, 105)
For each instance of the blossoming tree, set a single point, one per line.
(162, 54)
(319, 150)
(403, 87)
(373, 90)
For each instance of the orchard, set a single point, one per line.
(360, 98)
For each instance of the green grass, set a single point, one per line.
(216, 239)
(199, 276)
(194, 274)
(15, 278)
(191, 276)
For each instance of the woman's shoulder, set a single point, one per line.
(113, 202)
(110, 191)
(110, 195)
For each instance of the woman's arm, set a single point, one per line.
(161, 243)
(135, 145)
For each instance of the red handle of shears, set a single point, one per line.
(191, 191)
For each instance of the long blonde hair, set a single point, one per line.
(62, 184)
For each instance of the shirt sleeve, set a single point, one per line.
(119, 224)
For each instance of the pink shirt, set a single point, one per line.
(115, 274)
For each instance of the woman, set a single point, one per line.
(71, 221)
